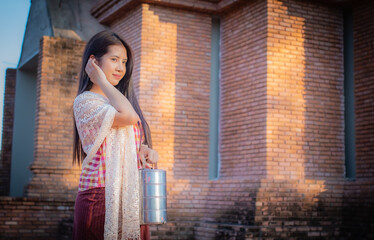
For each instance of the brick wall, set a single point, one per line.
(6, 147)
(301, 196)
(358, 200)
(363, 35)
(35, 218)
(47, 210)
(54, 177)
(305, 91)
(243, 92)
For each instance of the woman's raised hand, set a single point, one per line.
(93, 71)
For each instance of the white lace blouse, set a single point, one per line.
(94, 118)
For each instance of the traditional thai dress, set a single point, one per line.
(107, 203)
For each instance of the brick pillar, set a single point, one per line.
(8, 114)
(243, 92)
(363, 35)
(302, 192)
(54, 177)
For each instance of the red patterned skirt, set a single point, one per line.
(89, 216)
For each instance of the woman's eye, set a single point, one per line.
(114, 59)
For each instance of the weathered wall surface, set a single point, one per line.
(8, 117)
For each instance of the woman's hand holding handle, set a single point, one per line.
(150, 155)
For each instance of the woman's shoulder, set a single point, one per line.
(89, 96)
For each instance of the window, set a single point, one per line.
(214, 158)
(349, 103)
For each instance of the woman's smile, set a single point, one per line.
(117, 76)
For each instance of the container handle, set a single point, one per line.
(144, 162)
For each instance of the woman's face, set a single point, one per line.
(113, 63)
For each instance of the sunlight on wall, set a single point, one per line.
(285, 92)
(286, 122)
(157, 88)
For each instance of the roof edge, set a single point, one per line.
(107, 11)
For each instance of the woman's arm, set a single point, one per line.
(126, 114)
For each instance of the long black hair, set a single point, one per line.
(98, 46)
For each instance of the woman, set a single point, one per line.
(111, 136)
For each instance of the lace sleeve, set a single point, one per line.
(94, 119)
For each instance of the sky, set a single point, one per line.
(13, 18)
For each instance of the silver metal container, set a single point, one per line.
(152, 196)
